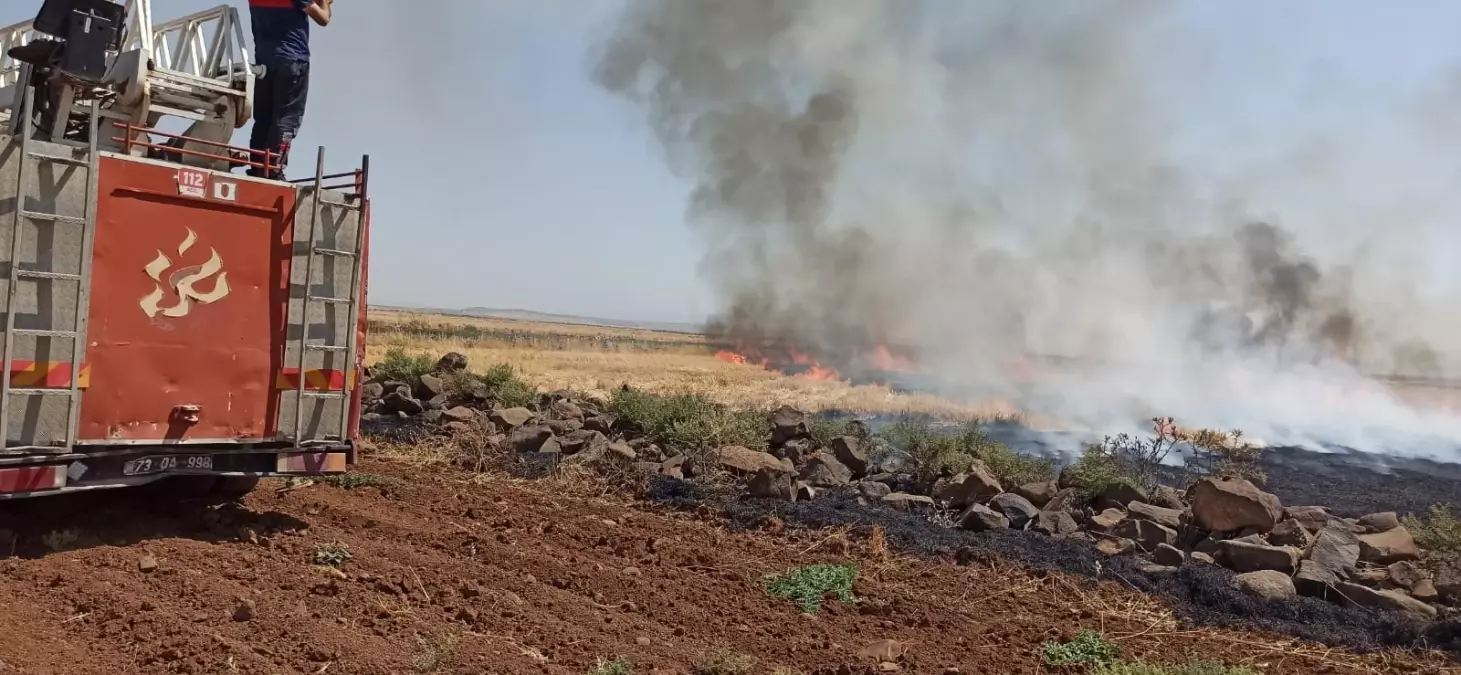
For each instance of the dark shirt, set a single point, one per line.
(281, 30)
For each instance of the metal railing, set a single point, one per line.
(129, 141)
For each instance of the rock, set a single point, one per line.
(429, 387)
(530, 439)
(622, 451)
(980, 518)
(744, 461)
(1448, 583)
(788, 423)
(1266, 584)
(550, 446)
(1394, 601)
(371, 391)
(883, 650)
(1393, 545)
(796, 450)
(1168, 518)
(975, 485)
(849, 451)
(437, 402)
(906, 502)
(563, 427)
(600, 423)
(874, 490)
(397, 403)
(1120, 494)
(1379, 522)
(805, 492)
(1039, 493)
(1243, 557)
(1169, 555)
(1232, 504)
(1107, 521)
(1424, 589)
(895, 462)
(1115, 546)
(1055, 524)
(1314, 579)
(1146, 533)
(459, 414)
(1199, 556)
(451, 362)
(510, 418)
(1335, 548)
(244, 610)
(1312, 518)
(583, 440)
(674, 466)
(566, 410)
(824, 471)
(1017, 509)
(1168, 498)
(1404, 574)
(147, 563)
(1290, 533)
(1064, 500)
(772, 484)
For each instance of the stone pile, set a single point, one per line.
(1276, 551)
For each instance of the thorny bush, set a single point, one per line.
(940, 454)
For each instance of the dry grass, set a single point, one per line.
(597, 360)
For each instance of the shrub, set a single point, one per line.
(332, 555)
(503, 384)
(618, 666)
(689, 422)
(1222, 454)
(1437, 533)
(825, 429)
(1192, 668)
(1088, 648)
(807, 585)
(402, 367)
(939, 454)
(1099, 467)
(724, 661)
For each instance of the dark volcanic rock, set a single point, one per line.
(788, 423)
(1242, 557)
(979, 518)
(824, 471)
(1017, 509)
(849, 451)
(1232, 504)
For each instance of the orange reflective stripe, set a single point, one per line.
(47, 374)
(319, 380)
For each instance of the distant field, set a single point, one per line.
(597, 359)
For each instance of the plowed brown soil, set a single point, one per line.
(455, 574)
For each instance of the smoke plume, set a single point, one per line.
(981, 183)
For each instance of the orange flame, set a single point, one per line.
(886, 360)
(730, 357)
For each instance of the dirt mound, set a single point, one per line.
(429, 571)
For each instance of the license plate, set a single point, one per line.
(162, 463)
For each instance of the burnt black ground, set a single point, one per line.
(1200, 594)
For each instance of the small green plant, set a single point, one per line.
(1191, 668)
(350, 481)
(724, 661)
(400, 366)
(1439, 532)
(333, 554)
(824, 429)
(1088, 648)
(689, 422)
(433, 654)
(618, 666)
(808, 585)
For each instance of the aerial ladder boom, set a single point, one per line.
(193, 68)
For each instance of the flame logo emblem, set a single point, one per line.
(184, 281)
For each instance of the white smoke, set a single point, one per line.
(988, 180)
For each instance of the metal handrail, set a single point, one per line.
(128, 142)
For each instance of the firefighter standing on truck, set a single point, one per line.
(281, 45)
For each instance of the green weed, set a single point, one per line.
(808, 585)
(618, 666)
(1088, 648)
(1437, 532)
(724, 661)
(333, 554)
(399, 366)
(689, 422)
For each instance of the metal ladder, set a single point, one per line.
(350, 299)
(28, 160)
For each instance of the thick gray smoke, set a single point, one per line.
(985, 181)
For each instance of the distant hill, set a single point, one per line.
(529, 315)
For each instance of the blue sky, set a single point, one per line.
(504, 177)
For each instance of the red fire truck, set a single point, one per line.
(165, 318)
